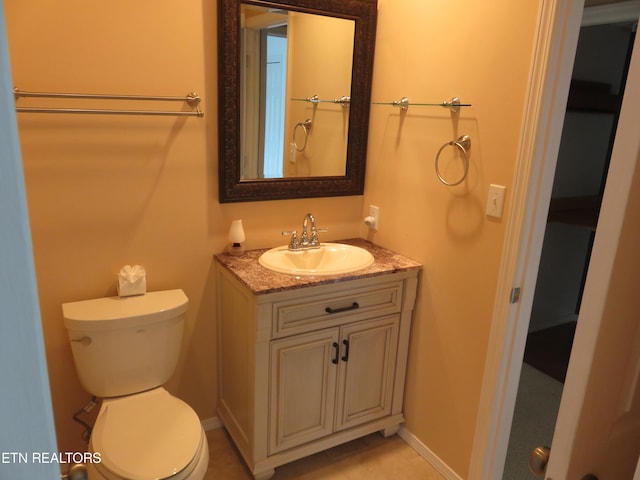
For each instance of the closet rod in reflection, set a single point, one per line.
(192, 99)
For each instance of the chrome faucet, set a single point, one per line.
(304, 239)
(309, 238)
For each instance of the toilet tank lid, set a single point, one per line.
(124, 312)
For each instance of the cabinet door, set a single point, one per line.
(303, 372)
(367, 366)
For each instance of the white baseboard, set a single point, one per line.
(442, 468)
(613, 13)
(435, 461)
(211, 423)
(543, 319)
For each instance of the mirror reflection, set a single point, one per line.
(310, 172)
(296, 71)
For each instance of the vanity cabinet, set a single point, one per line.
(331, 380)
(306, 364)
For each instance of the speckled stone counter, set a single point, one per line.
(261, 281)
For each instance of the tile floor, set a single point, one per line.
(372, 458)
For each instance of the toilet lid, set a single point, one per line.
(149, 435)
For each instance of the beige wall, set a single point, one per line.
(430, 52)
(107, 191)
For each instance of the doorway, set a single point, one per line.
(598, 81)
(273, 86)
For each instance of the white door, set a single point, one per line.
(598, 426)
(26, 417)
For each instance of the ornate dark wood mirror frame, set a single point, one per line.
(364, 13)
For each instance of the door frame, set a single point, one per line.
(552, 66)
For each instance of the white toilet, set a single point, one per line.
(124, 350)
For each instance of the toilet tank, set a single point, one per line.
(126, 345)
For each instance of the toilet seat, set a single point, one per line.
(129, 428)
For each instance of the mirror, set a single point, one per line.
(294, 125)
(319, 145)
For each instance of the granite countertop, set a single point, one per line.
(261, 280)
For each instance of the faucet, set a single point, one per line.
(304, 239)
(308, 239)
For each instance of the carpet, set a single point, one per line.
(534, 420)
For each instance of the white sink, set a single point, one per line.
(329, 259)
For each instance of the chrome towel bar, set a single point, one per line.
(192, 99)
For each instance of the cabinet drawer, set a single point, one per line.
(313, 312)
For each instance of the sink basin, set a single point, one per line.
(329, 259)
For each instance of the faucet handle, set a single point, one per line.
(294, 243)
(315, 241)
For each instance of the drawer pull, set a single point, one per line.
(353, 306)
(345, 357)
(337, 347)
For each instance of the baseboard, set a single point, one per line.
(435, 461)
(613, 13)
(211, 423)
(542, 319)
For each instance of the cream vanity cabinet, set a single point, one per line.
(308, 363)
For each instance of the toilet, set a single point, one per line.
(125, 349)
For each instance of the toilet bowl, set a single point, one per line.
(150, 435)
(124, 350)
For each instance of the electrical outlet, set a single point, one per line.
(495, 201)
(373, 219)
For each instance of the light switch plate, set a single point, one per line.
(495, 201)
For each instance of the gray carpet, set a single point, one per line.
(534, 419)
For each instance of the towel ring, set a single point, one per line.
(306, 126)
(463, 144)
